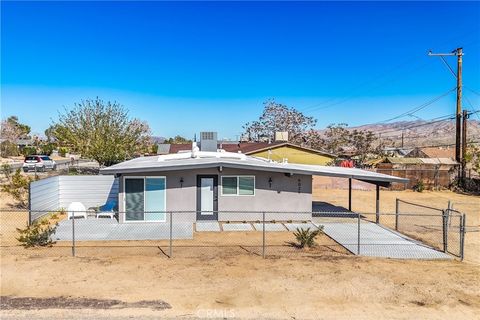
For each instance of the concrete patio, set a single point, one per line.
(110, 229)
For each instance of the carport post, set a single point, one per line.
(73, 234)
(377, 204)
(171, 236)
(358, 234)
(349, 194)
(263, 245)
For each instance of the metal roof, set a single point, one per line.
(201, 159)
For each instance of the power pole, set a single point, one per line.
(458, 132)
(402, 139)
(464, 144)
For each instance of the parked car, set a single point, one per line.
(38, 163)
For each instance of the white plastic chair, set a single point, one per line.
(76, 210)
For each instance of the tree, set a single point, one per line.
(278, 117)
(362, 142)
(178, 139)
(102, 131)
(12, 130)
(472, 157)
(337, 136)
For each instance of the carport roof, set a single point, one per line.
(202, 160)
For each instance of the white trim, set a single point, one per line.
(238, 186)
(144, 202)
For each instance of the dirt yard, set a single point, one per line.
(224, 283)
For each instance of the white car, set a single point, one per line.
(38, 163)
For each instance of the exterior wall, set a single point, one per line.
(58, 192)
(44, 197)
(92, 191)
(294, 155)
(282, 196)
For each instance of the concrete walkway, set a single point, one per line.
(378, 241)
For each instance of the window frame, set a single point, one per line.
(238, 185)
(144, 198)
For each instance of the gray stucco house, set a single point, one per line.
(219, 185)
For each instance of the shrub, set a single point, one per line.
(17, 186)
(419, 186)
(27, 151)
(62, 151)
(37, 234)
(306, 237)
(8, 149)
(47, 148)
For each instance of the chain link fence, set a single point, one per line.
(443, 229)
(421, 234)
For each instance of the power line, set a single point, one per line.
(451, 117)
(325, 104)
(420, 107)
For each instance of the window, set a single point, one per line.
(145, 198)
(238, 185)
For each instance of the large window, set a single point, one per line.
(238, 185)
(145, 198)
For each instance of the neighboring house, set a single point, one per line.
(396, 152)
(432, 152)
(220, 185)
(280, 151)
(433, 172)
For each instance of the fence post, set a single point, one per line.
(377, 204)
(73, 234)
(462, 235)
(358, 235)
(263, 244)
(171, 235)
(397, 205)
(445, 230)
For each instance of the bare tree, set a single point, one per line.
(278, 117)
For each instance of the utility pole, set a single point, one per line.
(402, 139)
(458, 130)
(464, 144)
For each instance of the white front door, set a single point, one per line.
(206, 191)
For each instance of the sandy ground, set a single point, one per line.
(234, 281)
(250, 287)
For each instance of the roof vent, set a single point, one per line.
(281, 136)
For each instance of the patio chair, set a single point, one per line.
(107, 210)
(76, 210)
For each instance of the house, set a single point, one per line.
(278, 150)
(433, 172)
(432, 152)
(223, 186)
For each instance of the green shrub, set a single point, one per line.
(47, 148)
(62, 151)
(37, 234)
(17, 186)
(27, 151)
(419, 186)
(8, 149)
(305, 237)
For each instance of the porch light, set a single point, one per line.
(270, 182)
(181, 182)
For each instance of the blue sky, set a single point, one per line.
(190, 66)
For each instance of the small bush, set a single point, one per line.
(37, 234)
(419, 186)
(27, 151)
(17, 186)
(62, 151)
(305, 237)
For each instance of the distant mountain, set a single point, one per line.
(420, 133)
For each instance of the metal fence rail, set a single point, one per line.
(426, 235)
